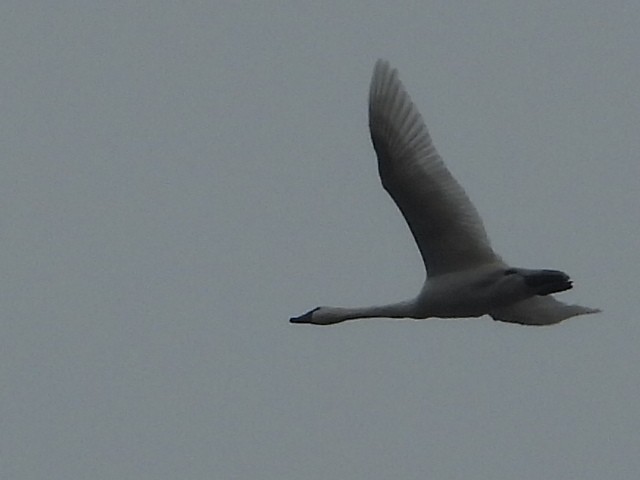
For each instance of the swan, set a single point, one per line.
(465, 277)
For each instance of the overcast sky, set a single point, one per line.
(179, 178)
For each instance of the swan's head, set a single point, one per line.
(320, 316)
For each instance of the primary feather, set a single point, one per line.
(445, 224)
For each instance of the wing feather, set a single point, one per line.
(444, 223)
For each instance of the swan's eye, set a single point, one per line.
(510, 271)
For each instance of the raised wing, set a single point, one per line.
(539, 311)
(442, 219)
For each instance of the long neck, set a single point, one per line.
(330, 315)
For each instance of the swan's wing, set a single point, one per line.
(539, 311)
(444, 222)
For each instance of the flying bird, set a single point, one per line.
(465, 277)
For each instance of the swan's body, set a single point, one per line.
(466, 278)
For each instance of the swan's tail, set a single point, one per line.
(538, 310)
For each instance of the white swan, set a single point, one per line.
(466, 278)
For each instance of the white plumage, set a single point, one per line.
(466, 278)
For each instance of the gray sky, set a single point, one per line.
(178, 178)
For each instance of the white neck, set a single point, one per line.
(331, 315)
